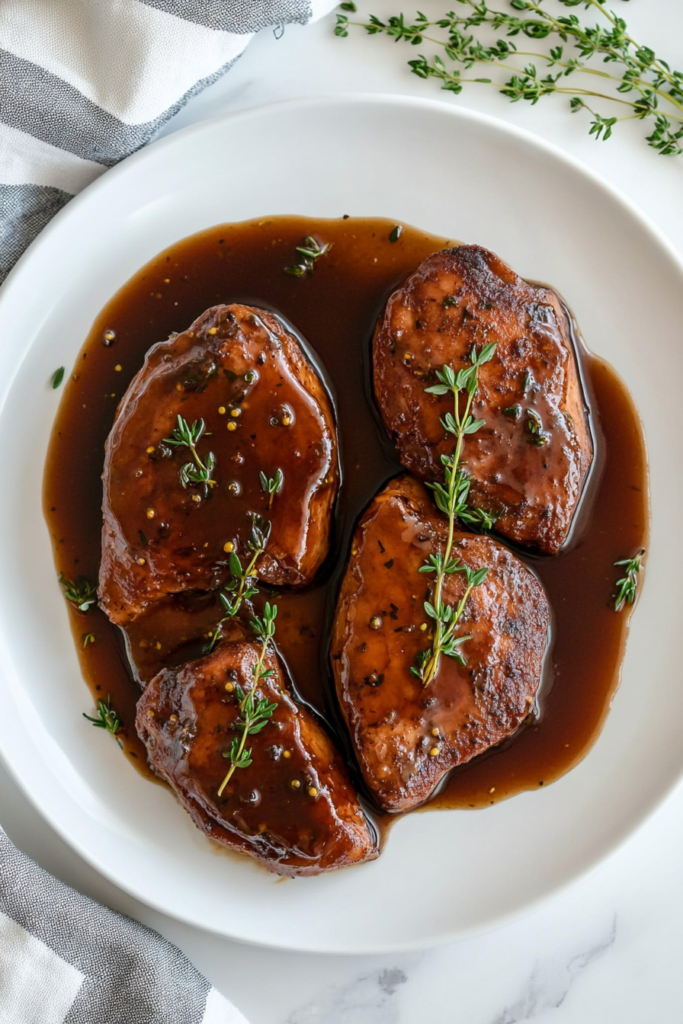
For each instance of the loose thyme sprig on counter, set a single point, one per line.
(310, 251)
(628, 584)
(241, 585)
(107, 718)
(451, 499)
(654, 90)
(255, 712)
(81, 592)
(186, 436)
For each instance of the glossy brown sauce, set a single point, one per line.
(334, 310)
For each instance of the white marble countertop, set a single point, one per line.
(608, 949)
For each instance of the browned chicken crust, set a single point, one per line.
(530, 459)
(407, 736)
(293, 808)
(265, 409)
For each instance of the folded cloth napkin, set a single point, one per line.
(84, 83)
(67, 960)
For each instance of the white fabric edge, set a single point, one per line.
(155, 59)
(36, 985)
(219, 1011)
(25, 160)
(322, 7)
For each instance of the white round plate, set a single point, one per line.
(454, 173)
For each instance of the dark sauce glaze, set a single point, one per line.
(335, 309)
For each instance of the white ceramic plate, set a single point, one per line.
(454, 173)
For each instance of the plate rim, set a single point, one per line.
(14, 280)
(360, 99)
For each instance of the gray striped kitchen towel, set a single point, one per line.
(67, 960)
(84, 83)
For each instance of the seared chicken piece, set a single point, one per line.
(265, 410)
(293, 807)
(530, 459)
(406, 735)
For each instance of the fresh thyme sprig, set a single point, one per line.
(451, 499)
(310, 251)
(81, 592)
(255, 712)
(107, 718)
(272, 485)
(628, 584)
(186, 436)
(654, 90)
(241, 585)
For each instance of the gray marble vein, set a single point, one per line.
(364, 1000)
(550, 981)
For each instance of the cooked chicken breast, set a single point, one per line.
(407, 735)
(173, 512)
(293, 807)
(530, 459)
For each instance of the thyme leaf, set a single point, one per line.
(107, 718)
(310, 251)
(81, 592)
(628, 584)
(534, 429)
(58, 377)
(272, 485)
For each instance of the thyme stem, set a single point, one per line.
(452, 500)
(241, 586)
(451, 528)
(239, 750)
(254, 713)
